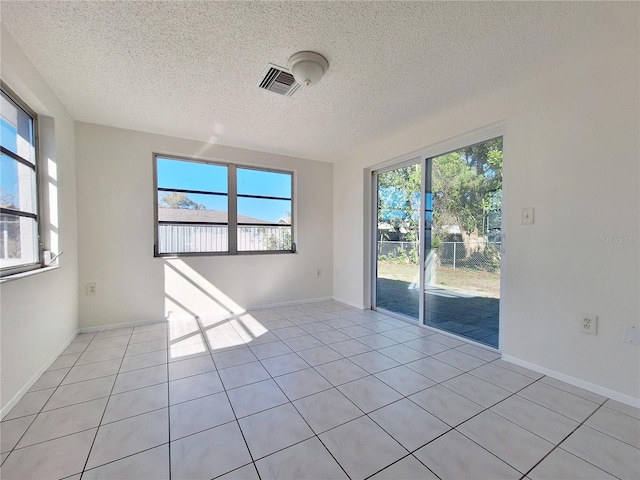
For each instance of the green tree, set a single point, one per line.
(467, 185)
(399, 200)
(179, 200)
(279, 239)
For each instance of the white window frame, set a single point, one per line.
(232, 208)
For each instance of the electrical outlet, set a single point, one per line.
(588, 323)
(91, 288)
(318, 273)
(632, 334)
(527, 216)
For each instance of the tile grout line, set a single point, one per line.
(304, 419)
(291, 402)
(298, 412)
(513, 394)
(401, 459)
(106, 405)
(364, 414)
(411, 452)
(486, 362)
(370, 374)
(555, 447)
(228, 400)
(290, 372)
(377, 350)
(488, 409)
(168, 332)
(336, 387)
(44, 404)
(451, 428)
(105, 409)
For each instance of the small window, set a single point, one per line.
(19, 228)
(212, 208)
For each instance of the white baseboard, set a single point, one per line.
(252, 307)
(113, 326)
(351, 304)
(16, 398)
(289, 304)
(592, 387)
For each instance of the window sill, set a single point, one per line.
(16, 276)
(222, 254)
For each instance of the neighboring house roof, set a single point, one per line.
(203, 216)
(8, 217)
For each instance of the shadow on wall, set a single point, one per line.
(202, 317)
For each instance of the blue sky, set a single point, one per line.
(213, 178)
(8, 166)
(191, 176)
(393, 203)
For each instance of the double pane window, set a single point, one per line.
(221, 208)
(19, 245)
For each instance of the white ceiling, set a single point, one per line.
(190, 69)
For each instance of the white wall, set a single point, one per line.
(115, 208)
(571, 151)
(39, 313)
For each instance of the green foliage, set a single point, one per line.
(486, 259)
(402, 256)
(273, 240)
(399, 200)
(466, 185)
(179, 200)
(281, 241)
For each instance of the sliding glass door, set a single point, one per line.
(448, 277)
(462, 294)
(397, 283)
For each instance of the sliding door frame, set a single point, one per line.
(419, 160)
(424, 156)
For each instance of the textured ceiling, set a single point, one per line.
(190, 69)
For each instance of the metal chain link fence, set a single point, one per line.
(483, 256)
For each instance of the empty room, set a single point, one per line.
(319, 240)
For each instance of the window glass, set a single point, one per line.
(204, 177)
(16, 131)
(18, 185)
(183, 238)
(207, 207)
(263, 183)
(260, 210)
(19, 241)
(257, 238)
(193, 208)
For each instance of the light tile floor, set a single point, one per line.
(314, 391)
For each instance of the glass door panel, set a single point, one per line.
(397, 282)
(463, 241)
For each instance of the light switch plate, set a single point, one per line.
(632, 334)
(527, 216)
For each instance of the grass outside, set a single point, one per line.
(480, 282)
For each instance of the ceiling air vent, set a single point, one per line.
(278, 80)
